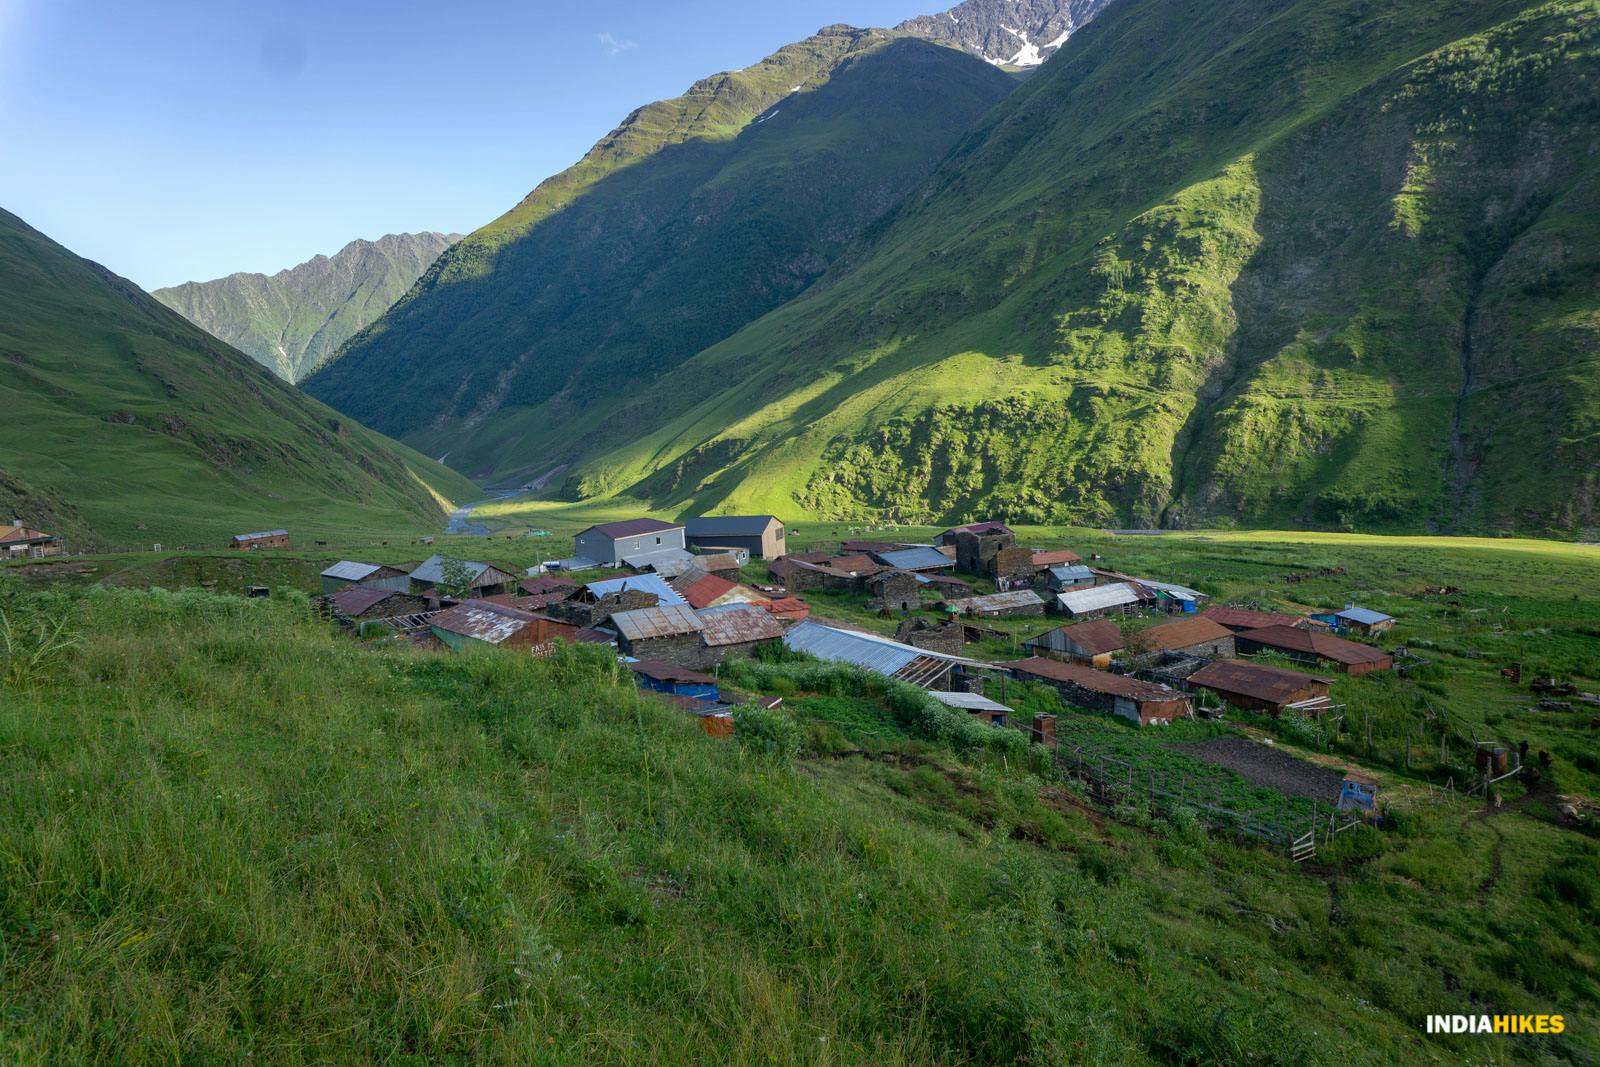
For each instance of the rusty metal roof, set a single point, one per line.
(1244, 619)
(1092, 638)
(663, 620)
(1056, 557)
(353, 602)
(1184, 633)
(1088, 678)
(263, 533)
(1017, 599)
(1317, 643)
(1273, 684)
(546, 583)
(482, 621)
(990, 526)
(663, 671)
(701, 591)
(738, 624)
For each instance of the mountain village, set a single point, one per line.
(1030, 532)
(677, 601)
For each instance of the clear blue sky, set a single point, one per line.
(186, 140)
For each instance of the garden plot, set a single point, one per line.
(1265, 766)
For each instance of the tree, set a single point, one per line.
(455, 579)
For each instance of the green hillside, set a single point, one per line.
(1306, 262)
(292, 321)
(124, 424)
(692, 218)
(232, 834)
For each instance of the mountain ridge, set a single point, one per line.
(292, 320)
(694, 216)
(127, 424)
(1007, 33)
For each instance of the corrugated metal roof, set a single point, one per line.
(647, 583)
(1244, 619)
(652, 561)
(663, 671)
(1071, 572)
(1184, 633)
(574, 563)
(923, 557)
(547, 584)
(1093, 638)
(1181, 592)
(667, 620)
(632, 527)
(991, 526)
(262, 533)
(1056, 557)
(872, 651)
(353, 602)
(1324, 646)
(431, 570)
(348, 570)
(1098, 598)
(738, 624)
(18, 534)
(1095, 681)
(1012, 601)
(729, 525)
(1253, 680)
(969, 702)
(1365, 616)
(483, 621)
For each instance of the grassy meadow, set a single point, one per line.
(230, 833)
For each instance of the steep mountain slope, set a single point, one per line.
(292, 321)
(692, 218)
(1310, 261)
(1012, 33)
(126, 424)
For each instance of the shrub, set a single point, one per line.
(770, 734)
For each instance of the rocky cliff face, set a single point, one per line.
(1009, 33)
(292, 321)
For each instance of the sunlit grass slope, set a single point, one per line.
(231, 834)
(125, 424)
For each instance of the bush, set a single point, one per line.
(770, 734)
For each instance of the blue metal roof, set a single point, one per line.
(1365, 616)
(923, 557)
(649, 583)
(1076, 572)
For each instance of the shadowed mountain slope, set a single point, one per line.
(694, 217)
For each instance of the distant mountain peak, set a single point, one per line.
(292, 321)
(1007, 33)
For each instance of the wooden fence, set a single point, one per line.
(1111, 782)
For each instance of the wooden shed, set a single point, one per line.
(1092, 643)
(1145, 703)
(1313, 647)
(1257, 687)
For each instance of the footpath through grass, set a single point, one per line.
(226, 832)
